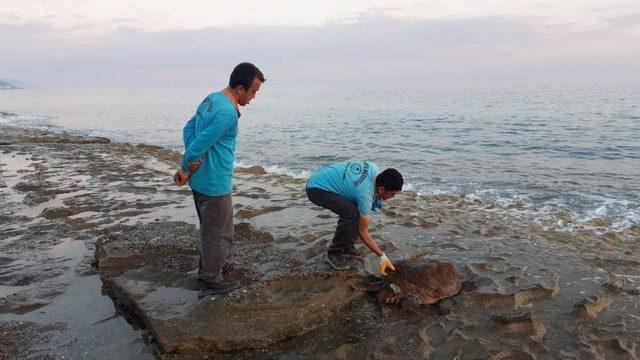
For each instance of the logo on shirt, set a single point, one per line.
(363, 171)
(206, 105)
(355, 168)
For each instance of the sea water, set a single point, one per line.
(540, 147)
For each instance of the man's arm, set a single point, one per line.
(384, 263)
(189, 132)
(201, 143)
(363, 232)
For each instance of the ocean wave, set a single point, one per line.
(29, 121)
(41, 122)
(571, 212)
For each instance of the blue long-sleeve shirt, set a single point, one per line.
(210, 135)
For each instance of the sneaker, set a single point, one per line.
(337, 261)
(353, 252)
(217, 289)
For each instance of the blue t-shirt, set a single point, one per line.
(350, 179)
(210, 135)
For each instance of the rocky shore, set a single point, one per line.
(99, 257)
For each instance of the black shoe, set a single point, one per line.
(217, 289)
(353, 252)
(337, 261)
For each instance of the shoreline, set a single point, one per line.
(608, 217)
(62, 193)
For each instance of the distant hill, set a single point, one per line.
(7, 84)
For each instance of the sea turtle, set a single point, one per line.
(415, 282)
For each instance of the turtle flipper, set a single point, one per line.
(369, 283)
(411, 302)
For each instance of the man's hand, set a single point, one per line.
(385, 264)
(180, 177)
(193, 166)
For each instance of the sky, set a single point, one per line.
(92, 43)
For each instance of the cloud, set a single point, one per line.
(375, 49)
(9, 17)
(624, 21)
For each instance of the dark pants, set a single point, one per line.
(216, 234)
(347, 229)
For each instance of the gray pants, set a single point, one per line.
(347, 229)
(216, 234)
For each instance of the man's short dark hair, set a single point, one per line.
(243, 74)
(390, 179)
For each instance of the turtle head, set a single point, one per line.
(389, 294)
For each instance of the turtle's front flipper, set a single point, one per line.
(369, 283)
(411, 302)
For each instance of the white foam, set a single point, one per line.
(29, 121)
(39, 122)
(274, 169)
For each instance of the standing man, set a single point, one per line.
(209, 147)
(352, 190)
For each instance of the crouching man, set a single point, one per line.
(353, 190)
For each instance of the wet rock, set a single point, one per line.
(622, 285)
(612, 238)
(249, 213)
(589, 308)
(511, 354)
(156, 279)
(517, 205)
(612, 349)
(477, 202)
(598, 222)
(441, 197)
(536, 292)
(493, 296)
(34, 198)
(56, 213)
(427, 224)
(425, 348)
(523, 323)
(245, 233)
(146, 243)
(255, 170)
(18, 339)
(258, 317)
(385, 349)
(155, 283)
(619, 266)
(65, 138)
(488, 300)
(349, 352)
(31, 186)
(160, 152)
(452, 246)
(387, 246)
(564, 216)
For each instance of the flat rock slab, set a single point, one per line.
(523, 323)
(589, 308)
(150, 270)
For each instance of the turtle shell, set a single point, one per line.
(428, 280)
